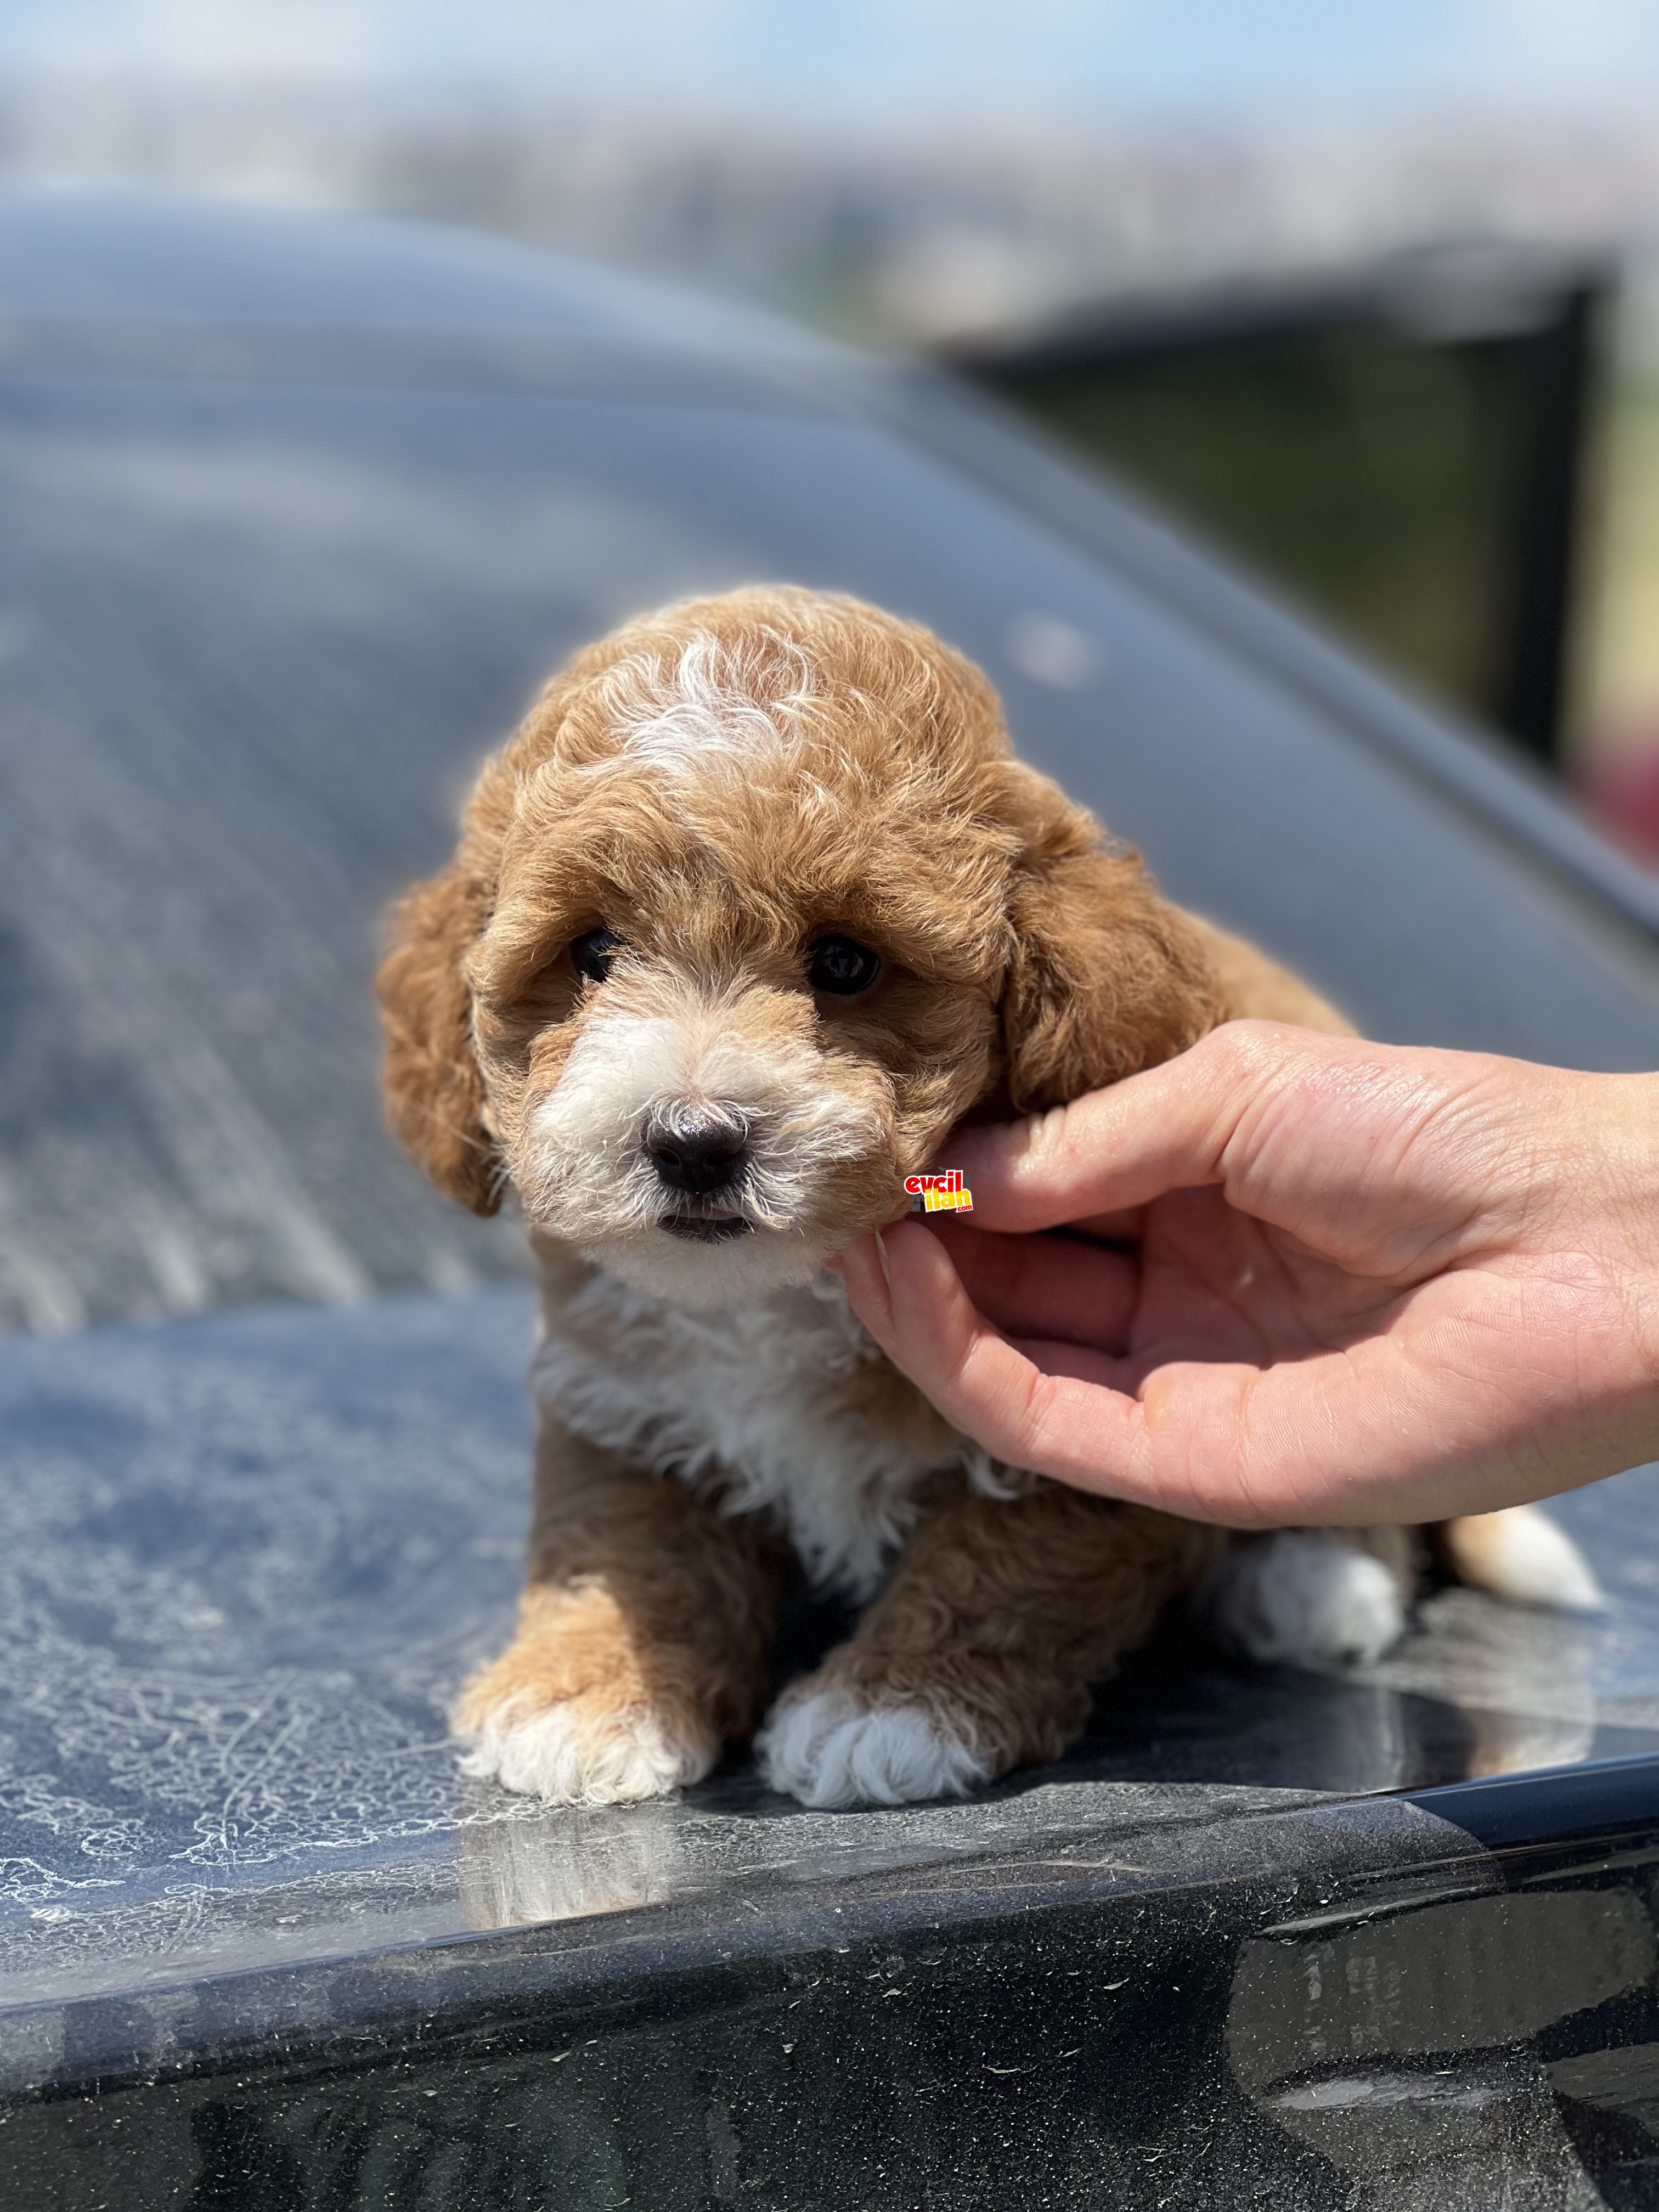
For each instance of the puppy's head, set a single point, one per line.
(754, 906)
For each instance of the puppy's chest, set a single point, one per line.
(786, 1408)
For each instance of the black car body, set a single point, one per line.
(300, 512)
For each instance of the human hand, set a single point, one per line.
(1359, 1283)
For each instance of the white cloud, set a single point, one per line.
(1563, 52)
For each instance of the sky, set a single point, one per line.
(840, 60)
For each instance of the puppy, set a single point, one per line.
(755, 906)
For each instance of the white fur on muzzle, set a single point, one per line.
(585, 1175)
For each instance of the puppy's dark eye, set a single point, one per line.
(841, 966)
(591, 955)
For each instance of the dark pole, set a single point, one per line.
(1557, 370)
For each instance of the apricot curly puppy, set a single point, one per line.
(754, 906)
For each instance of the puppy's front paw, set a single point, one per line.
(580, 1709)
(827, 1747)
(580, 1751)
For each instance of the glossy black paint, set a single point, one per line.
(261, 1946)
(1332, 2007)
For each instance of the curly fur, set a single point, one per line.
(717, 786)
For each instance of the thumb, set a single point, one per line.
(1165, 1130)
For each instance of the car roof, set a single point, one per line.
(136, 258)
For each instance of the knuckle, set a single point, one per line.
(1050, 1137)
(1249, 1048)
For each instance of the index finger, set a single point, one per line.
(911, 1299)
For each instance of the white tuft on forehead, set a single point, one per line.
(713, 708)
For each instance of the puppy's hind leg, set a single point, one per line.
(642, 1637)
(1330, 1597)
(978, 1656)
(1311, 1597)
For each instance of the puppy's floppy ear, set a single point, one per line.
(1106, 976)
(435, 1093)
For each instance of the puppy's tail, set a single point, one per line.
(1521, 1555)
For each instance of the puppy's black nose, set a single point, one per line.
(697, 1157)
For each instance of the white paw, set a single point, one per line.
(826, 1749)
(1303, 1598)
(572, 1754)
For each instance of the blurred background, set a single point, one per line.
(1370, 294)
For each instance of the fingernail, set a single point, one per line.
(881, 1255)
